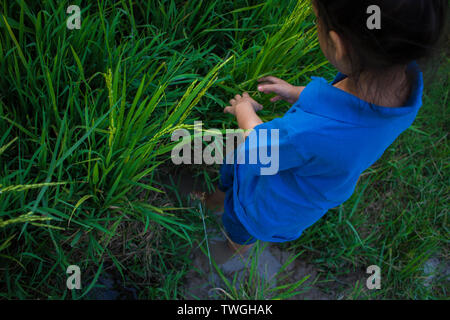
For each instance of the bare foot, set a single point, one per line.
(213, 202)
(239, 248)
(222, 251)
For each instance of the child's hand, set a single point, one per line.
(282, 89)
(244, 101)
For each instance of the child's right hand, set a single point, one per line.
(282, 89)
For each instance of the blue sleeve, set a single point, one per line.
(271, 148)
(265, 201)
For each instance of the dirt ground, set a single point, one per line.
(204, 282)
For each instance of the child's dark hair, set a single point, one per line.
(410, 30)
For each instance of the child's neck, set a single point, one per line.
(389, 89)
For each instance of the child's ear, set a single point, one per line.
(340, 51)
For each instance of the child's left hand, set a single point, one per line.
(244, 101)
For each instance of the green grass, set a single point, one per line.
(85, 124)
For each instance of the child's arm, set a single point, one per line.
(244, 108)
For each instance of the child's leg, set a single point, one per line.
(239, 248)
(222, 251)
(239, 239)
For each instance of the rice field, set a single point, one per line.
(86, 178)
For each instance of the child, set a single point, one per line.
(333, 132)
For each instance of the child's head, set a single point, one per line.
(410, 29)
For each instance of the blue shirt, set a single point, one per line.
(326, 140)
